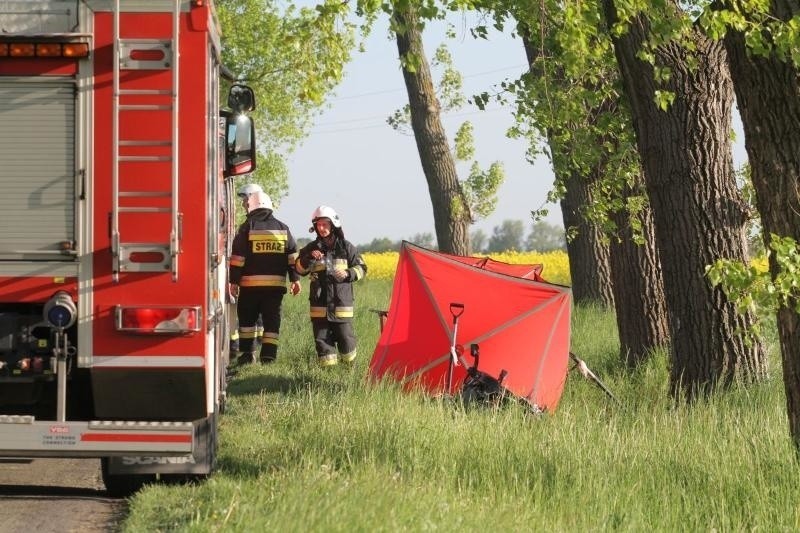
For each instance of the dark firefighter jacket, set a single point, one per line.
(264, 252)
(329, 298)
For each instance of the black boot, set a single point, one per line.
(268, 354)
(247, 358)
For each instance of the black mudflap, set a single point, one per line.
(201, 462)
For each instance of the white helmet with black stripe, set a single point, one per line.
(247, 189)
(328, 212)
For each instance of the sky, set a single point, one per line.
(356, 163)
(371, 174)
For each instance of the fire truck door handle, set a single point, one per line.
(180, 228)
(82, 174)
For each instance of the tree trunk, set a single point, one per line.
(450, 212)
(588, 251)
(622, 273)
(639, 299)
(697, 211)
(768, 95)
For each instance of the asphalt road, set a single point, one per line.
(56, 495)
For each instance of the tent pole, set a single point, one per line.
(586, 372)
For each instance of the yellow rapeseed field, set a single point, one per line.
(555, 264)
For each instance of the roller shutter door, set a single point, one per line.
(37, 169)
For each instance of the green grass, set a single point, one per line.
(309, 449)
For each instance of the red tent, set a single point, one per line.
(487, 263)
(521, 325)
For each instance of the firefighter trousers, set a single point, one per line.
(252, 303)
(330, 336)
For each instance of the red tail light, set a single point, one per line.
(158, 319)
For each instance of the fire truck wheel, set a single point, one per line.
(123, 485)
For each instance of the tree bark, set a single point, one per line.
(768, 96)
(697, 211)
(622, 273)
(588, 251)
(639, 299)
(450, 212)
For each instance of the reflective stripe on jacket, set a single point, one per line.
(327, 297)
(264, 252)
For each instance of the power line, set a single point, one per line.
(384, 124)
(387, 91)
(348, 121)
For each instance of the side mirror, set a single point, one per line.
(240, 144)
(241, 98)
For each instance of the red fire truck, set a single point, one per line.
(116, 170)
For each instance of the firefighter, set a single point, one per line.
(334, 265)
(243, 193)
(264, 253)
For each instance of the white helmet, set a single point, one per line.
(258, 200)
(325, 211)
(248, 189)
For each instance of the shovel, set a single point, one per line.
(456, 310)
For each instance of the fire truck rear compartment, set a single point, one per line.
(28, 366)
(28, 379)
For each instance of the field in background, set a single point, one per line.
(556, 264)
